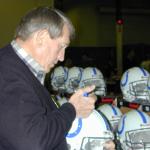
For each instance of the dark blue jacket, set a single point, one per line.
(29, 120)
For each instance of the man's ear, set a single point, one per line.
(41, 37)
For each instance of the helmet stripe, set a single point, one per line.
(77, 131)
(66, 73)
(144, 71)
(105, 120)
(123, 125)
(80, 70)
(114, 110)
(142, 116)
(126, 79)
(94, 71)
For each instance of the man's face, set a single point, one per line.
(53, 50)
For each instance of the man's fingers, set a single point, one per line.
(84, 101)
(109, 145)
(87, 90)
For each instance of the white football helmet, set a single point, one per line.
(58, 78)
(134, 131)
(93, 76)
(89, 133)
(112, 113)
(74, 78)
(133, 85)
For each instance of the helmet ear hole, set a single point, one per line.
(133, 85)
(134, 130)
(93, 76)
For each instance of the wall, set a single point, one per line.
(96, 28)
(10, 13)
(93, 28)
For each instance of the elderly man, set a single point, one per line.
(29, 118)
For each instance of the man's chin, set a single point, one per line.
(52, 66)
(49, 68)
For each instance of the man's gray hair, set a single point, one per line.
(40, 18)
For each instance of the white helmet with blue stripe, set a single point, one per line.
(112, 113)
(93, 76)
(74, 78)
(91, 132)
(133, 85)
(134, 130)
(58, 78)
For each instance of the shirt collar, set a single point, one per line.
(32, 64)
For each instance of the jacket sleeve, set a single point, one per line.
(25, 122)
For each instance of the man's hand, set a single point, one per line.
(109, 145)
(84, 105)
